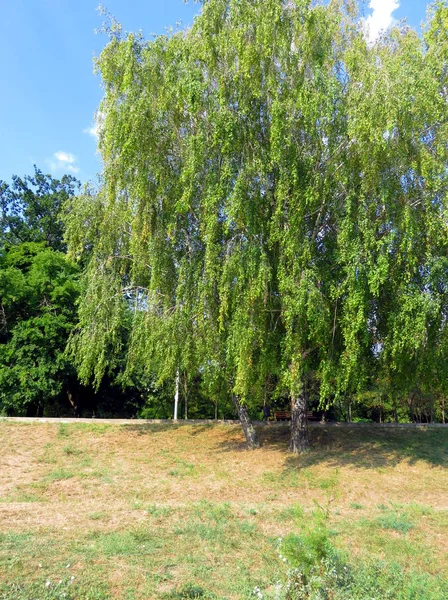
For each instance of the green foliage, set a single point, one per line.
(63, 589)
(190, 590)
(397, 522)
(31, 209)
(38, 293)
(319, 571)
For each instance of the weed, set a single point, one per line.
(190, 590)
(396, 522)
(292, 513)
(71, 450)
(48, 456)
(183, 469)
(318, 570)
(420, 510)
(219, 513)
(63, 430)
(59, 475)
(99, 516)
(156, 510)
(62, 589)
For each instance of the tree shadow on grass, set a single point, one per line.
(367, 447)
(364, 447)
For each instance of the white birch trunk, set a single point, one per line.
(176, 396)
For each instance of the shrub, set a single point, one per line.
(319, 571)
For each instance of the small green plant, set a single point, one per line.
(156, 510)
(63, 430)
(98, 516)
(397, 522)
(190, 590)
(183, 469)
(71, 450)
(293, 513)
(59, 475)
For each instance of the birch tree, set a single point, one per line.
(273, 205)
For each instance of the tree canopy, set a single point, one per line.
(273, 212)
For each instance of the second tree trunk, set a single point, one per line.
(299, 423)
(249, 430)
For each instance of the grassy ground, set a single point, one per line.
(135, 512)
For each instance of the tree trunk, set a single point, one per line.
(186, 395)
(73, 398)
(249, 431)
(299, 423)
(176, 397)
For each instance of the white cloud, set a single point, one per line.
(63, 161)
(381, 17)
(94, 129)
(65, 157)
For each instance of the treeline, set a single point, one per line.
(270, 227)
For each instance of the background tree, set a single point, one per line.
(31, 209)
(38, 290)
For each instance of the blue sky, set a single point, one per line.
(48, 90)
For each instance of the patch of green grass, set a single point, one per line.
(60, 589)
(96, 428)
(48, 457)
(397, 522)
(317, 570)
(11, 539)
(218, 512)
(64, 430)
(356, 505)
(85, 462)
(135, 542)
(420, 510)
(103, 475)
(59, 475)
(191, 590)
(294, 477)
(157, 510)
(99, 516)
(23, 496)
(292, 514)
(184, 469)
(72, 450)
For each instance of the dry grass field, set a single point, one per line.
(93, 511)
